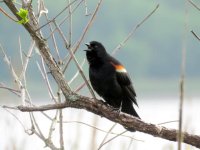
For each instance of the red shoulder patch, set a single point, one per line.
(118, 67)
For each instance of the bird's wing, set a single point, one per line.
(124, 81)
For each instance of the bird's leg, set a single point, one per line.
(118, 109)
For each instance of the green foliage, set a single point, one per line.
(23, 13)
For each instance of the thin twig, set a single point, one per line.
(193, 4)
(20, 51)
(104, 139)
(134, 29)
(47, 81)
(14, 115)
(10, 89)
(25, 65)
(77, 73)
(52, 20)
(111, 139)
(70, 24)
(7, 15)
(60, 122)
(168, 122)
(87, 26)
(104, 131)
(86, 8)
(195, 35)
(64, 19)
(35, 124)
(16, 78)
(80, 87)
(53, 39)
(46, 141)
(182, 80)
(52, 126)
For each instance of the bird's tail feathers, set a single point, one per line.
(127, 107)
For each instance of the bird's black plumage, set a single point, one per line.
(109, 79)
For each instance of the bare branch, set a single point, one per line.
(166, 122)
(193, 4)
(182, 80)
(61, 22)
(195, 35)
(20, 51)
(77, 73)
(57, 15)
(133, 30)
(7, 15)
(60, 122)
(53, 124)
(111, 139)
(70, 24)
(91, 126)
(99, 108)
(109, 131)
(46, 79)
(10, 89)
(86, 8)
(14, 115)
(22, 75)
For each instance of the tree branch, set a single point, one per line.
(89, 104)
(44, 51)
(99, 108)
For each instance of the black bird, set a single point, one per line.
(110, 79)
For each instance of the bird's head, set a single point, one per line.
(96, 53)
(96, 47)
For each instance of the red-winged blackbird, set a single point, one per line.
(110, 79)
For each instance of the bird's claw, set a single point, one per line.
(118, 110)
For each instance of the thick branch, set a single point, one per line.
(99, 108)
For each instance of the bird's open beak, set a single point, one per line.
(88, 46)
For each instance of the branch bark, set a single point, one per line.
(99, 108)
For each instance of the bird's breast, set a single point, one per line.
(103, 80)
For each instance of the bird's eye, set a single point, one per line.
(94, 45)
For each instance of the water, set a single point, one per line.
(79, 137)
